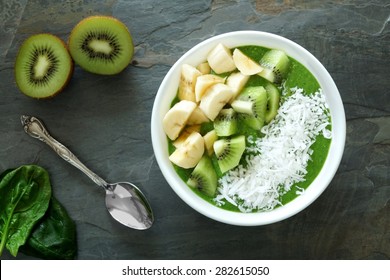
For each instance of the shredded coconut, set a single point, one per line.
(277, 161)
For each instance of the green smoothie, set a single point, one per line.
(298, 77)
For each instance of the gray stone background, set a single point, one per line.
(106, 122)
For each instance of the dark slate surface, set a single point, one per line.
(106, 122)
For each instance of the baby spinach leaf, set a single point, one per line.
(54, 237)
(24, 198)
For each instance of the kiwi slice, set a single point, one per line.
(273, 99)
(101, 45)
(258, 96)
(43, 66)
(276, 61)
(225, 124)
(229, 152)
(204, 177)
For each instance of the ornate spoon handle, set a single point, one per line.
(35, 128)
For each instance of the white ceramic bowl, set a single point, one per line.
(168, 90)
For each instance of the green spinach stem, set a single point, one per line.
(5, 234)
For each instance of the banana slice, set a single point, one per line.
(184, 134)
(188, 77)
(245, 64)
(204, 68)
(176, 118)
(190, 152)
(214, 99)
(197, 117)
(203, 82)
(220, 59)
(236, 81)
(209, 139)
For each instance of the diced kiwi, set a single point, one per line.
(277, 61)
(267, 74)
(101, 45)
(273, 98)
(225, 124)
(203, 177)
(258, 96)
(241, 106)
(229, 152)
(43, 66)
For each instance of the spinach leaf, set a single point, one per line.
(24, 198)
(54, 237)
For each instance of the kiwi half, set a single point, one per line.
(101, 45)
(43, 66)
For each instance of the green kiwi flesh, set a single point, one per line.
(225, 124)
(273, 99)
(43, 66)
(277, 61)
(229, 152)
(204, 177)
(101, 45)
(257, 95)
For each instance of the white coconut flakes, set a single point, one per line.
(278, 160)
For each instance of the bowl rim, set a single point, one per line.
(163, 100)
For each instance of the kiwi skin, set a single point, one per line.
(92, 66)
(21, 50)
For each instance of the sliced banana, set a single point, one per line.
(190, 152)
(209, 139)
(184, 134)
(197, 117)
(214, 99)
(203, 82)
(220, 59)
(204, 68)
(188, 77)
(245, 64)
(236, 81)
(176, 118)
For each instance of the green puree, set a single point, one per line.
(298, 76)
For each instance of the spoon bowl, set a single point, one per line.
(124, 201)
(127, 205)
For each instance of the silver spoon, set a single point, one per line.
(124, 201)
